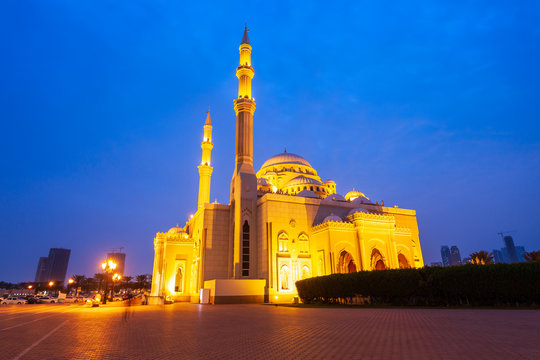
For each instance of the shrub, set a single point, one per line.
(486, 285)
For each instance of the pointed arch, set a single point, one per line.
(346, 263)
(403, 262)
(377, 260)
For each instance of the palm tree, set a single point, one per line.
(99, 279)
(140, 280)
(80, 280)
(532, 256)
(126, 281)
(481, 257)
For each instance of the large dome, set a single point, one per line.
(286, 158)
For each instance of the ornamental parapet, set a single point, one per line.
(339, 225)
(403, 230)
(372, 216)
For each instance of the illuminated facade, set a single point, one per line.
(283, 223)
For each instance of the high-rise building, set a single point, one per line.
(58, 264)
(42, 268)
(455, 256)
(53, 267)
(445, 255)
(120, 260)
(520, 250)
(498, 256)
(512, 254)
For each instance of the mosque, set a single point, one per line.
(283, 224)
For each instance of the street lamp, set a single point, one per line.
(116, 277)
(70, 282)
(108, 268)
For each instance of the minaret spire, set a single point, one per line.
(205, 170)
(244, 181)
(245, 38)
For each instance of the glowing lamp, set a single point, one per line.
(51, 283)
(71, 281)
(29, 286)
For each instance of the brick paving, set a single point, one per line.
(188, 331)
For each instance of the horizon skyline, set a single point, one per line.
(102, 142)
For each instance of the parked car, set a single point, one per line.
(33, 300)
(69, 299)
(47, 300)
(13, 300)
(79, 298)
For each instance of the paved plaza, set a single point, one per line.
(189, 331)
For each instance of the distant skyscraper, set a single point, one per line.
(42, 268)
(520, 250)
(445, 255)
(58, 264)
(455, 256)
(512, 254)
(498, 256)
(54, 267)
(120, 260)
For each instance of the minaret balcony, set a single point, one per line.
(245, 71)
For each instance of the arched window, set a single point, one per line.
(305, 272)
(283, 242)
(284, 277)
(403, 263)
(311, 188)
(377, 260)
(346, 263)
(245, 249)
(179, 280)
(303, 244)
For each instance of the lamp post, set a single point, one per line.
(51, 284)
(108, 268)
(116, 277)
(70, 282)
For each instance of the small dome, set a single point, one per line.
(329, 181)
(351, 195)
(333, 218)
(308, 194)
(286, 158)
(263, 182)
(176, 230)
(361, 200)
(334, 197)
(359, 209)
(302, 180)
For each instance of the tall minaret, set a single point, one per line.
(205, 170)
(244, 182)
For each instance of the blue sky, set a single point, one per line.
(430, 106)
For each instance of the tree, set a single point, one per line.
(532, 256)
(481, 257)
(143, 281)
(126, 281)
(79, 280)
(99, 279)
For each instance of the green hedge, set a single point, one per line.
(486, 285)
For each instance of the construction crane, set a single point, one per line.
(506, 232)
(113, 250)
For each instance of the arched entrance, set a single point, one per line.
(403, 263)
(377, 260)
(346, 263)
